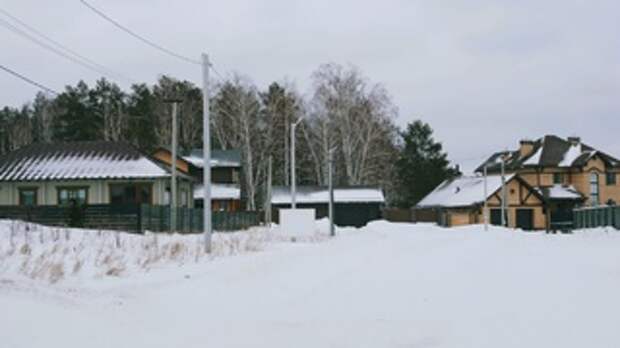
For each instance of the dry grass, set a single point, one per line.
(53, 254)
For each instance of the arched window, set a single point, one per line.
(594, 194)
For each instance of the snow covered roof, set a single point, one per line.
(548, 151)
(463, 191)
(219, 191)
(320, 194)
(219, 158)
(560, 192)
(78, 160)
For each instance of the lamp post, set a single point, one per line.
(485, 213)
(330, 167)
(293, 173)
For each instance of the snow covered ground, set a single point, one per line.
(385, 285)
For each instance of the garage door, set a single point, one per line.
(525, 219)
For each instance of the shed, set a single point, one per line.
(353, 206)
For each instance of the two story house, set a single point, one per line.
(545, 179)
(225, 176)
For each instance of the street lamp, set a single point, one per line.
(293, 174)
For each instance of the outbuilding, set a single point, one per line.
(353, 206)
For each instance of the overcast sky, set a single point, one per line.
(484, 74)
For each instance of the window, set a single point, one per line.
(28, 196)
(66, 195)
(138, 193)
(558, 178)
(594, 194)
(184, 200)
(611, 179)
(167, 196)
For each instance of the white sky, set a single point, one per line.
(484, 74)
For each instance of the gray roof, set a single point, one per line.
(320, 194)
(219, 158)
(79, 160)
(548, 151)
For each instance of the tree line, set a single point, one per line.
(344, 111)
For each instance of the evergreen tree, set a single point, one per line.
(422, 164)
(141, 110)
(76, 118)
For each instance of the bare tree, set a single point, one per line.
(238, 124)
(357, 119)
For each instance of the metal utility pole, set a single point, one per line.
(293, 173)
(173, 165)
(503, 194)
(485, 213)
(206, 151)
(268, 200)
(330, 165)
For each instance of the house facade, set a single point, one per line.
(225, 176)
(86, 173)
(546, 179)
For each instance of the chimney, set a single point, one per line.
(526, 147)
(574, 141)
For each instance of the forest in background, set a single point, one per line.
(344, 111)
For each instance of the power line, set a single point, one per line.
(48, 47)
(100, 68)
(141, 38)
(24, 78)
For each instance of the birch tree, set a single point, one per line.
(356, 118)
(238, 124)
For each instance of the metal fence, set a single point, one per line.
(129, 218)
(599, 216)
(190, 220)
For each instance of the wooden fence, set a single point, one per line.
(600, 216)
(129, 218)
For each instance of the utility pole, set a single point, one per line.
(206, 152)
(503, 194)
(293, 172)
(268, 200)
(330, 165)
(485, 213)
(173, 184)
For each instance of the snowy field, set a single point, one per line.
(385, 285)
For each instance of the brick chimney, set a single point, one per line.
(526, 147)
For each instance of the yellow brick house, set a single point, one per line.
(546, 179)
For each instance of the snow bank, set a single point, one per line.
(53, 254)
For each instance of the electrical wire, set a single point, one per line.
(139, 37)
(30, 81)
(48, 47)
(99, 67)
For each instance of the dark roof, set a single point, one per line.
(78, 160)
(548, 151)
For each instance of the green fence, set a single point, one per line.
(190, 220)
(600, 216)
(129, 218)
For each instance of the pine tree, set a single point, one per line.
(76, 119)
(422, 164)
